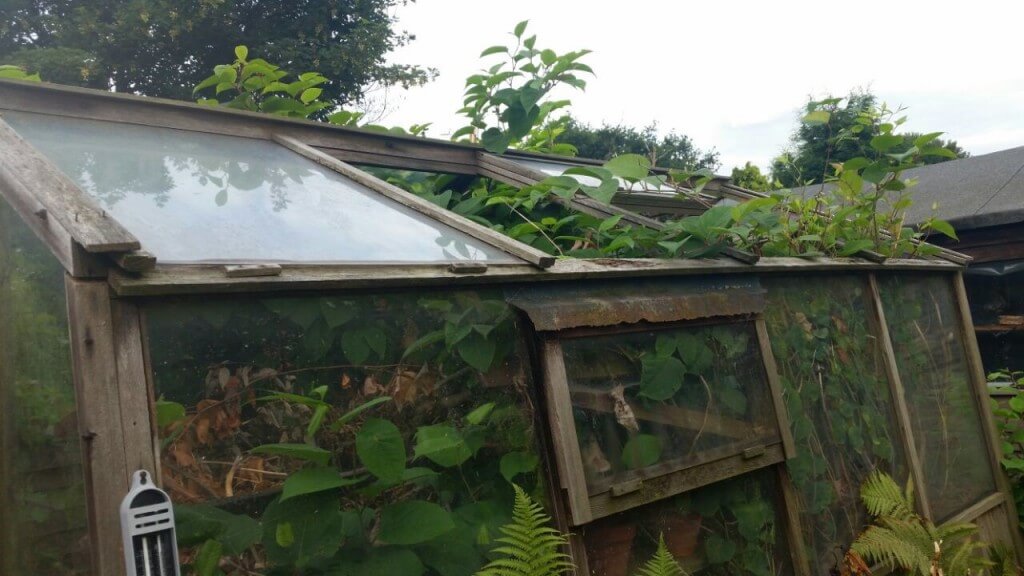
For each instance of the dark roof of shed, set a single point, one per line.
(975, 192)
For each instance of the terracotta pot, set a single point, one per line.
(610, 548)
(682, 533)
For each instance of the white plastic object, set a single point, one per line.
(147, 526)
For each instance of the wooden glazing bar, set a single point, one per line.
(903, 421)
(979, 386)
(775, 387)
(62, 199)
(563, 432)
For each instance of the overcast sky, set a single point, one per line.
(731, 74)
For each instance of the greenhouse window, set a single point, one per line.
(198, 197)
(653, 396)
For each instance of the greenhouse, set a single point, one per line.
(329, 374)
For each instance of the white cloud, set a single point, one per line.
(730, 74)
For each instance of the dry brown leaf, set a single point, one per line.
(623, 412)
(371, 387)
(407, 386)
(345, 381)
(594, 459)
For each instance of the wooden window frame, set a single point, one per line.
(717, 466)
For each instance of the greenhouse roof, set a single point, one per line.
(164, 196)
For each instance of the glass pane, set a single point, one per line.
(43, 523)
(191, 197)
(732, 528)
(557, 168)
(838, 401)
(407, 416)
(650, 403)
(925, 330)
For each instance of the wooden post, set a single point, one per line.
(980, 388)
(775, 387)
(791, 514)
(898, 397)
(114, 403)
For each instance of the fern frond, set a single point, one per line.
(662, 563)
(882, 545)
(530, 546)
(883, 497)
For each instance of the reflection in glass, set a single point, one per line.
(925, 329)
(731, 528)
(650, 403)
(190, 196)
(838, 402)
(43, 524)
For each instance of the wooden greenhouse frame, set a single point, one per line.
(110, 277)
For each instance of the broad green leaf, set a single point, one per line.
(391, 561)
(629, 166)
(441, 444)
(480, 414)
(943, 227)
(938, 151)
(313, 480)
(495, 141)
(299, 451)
(718, 550)
(241, 52)
(515, 463)
(924, 139)
(303, 531)
(641, 451)
(661, 378)
(816, 118)
(199, 522)
(520, 28)
(207, 560)
(886, 142)
(413, 522)
(168, 412)
(310, 94)
(381, 448)
(477, 351)
(493, 50)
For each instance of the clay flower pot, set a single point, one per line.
(610, 548)
(682, 533)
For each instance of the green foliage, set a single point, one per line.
(831, 131)
(530, 547)
(900, 539)
(668, 151)
(505, 102)
(1009, 417)
(12, 72)
(751, 178)
(164, 47)
(662, 563)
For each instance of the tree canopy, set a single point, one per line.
(815, 146)
(165, 47)
(751, 178)
(668, 151)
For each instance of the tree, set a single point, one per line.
(165, 47)
(751, 178)
(669, 151)
(814, 146)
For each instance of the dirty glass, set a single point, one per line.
(190, 196)
(349, 434)
(838, 402)
(43, 523)
(650, 403)
(731, 528)
(924, 325)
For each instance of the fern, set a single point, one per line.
(662, 563)
(530, 546)
(901, 539)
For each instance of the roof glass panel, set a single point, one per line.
(195, 197)
(557, 168)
